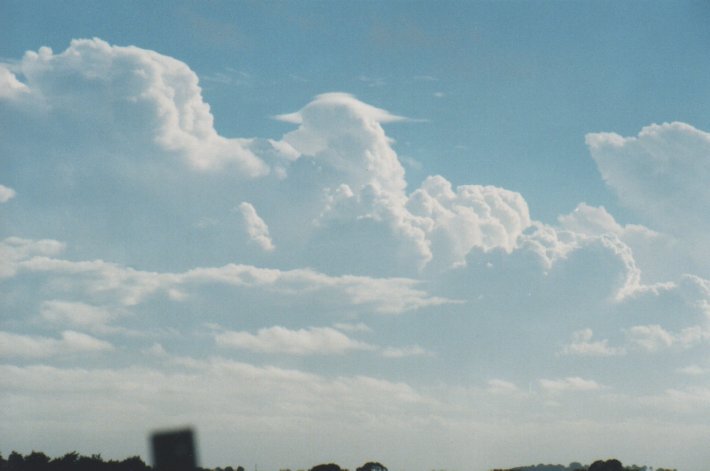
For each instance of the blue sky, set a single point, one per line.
(440, 235)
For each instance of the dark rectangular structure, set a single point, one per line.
(174, 450)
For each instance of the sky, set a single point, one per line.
(439, 235)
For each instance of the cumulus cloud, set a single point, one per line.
(161, 95)
(76, 314)
(30, 346)
(311, 341)
(609, 259)
(10, 87)
(6, 194)
(582, 344)
(660, 257)
(654, 338)
(13, 250)
(650, 337)
(336, 200)
(364, 197)
(662, 174)
(472, 216)
(256, 228)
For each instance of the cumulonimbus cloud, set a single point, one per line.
(662, 175)
(161, 95)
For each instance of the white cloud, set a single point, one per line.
(160, 94)
(256, 228)
(76, 314)
(10, 87)
(662, 174)
(28, 346)
(499, 386)
(6, 194)
(128, 287)
(582, 344)
(472, 216)
(345, 101)
(311, 341)
(383, 295)
(654, 338)
(611, 259)
(344, 148)
(15, 249)
(129, 149)
(660, 257)
(570, 384)
(650, 337)
(685, 400)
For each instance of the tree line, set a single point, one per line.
(599, 465)
(38, 461)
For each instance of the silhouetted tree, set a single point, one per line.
(326, 467)
(89, 463)
(133, 463)
(36, 461)
(65, 463)
(372, 466)
(608, 465)
(15, 462)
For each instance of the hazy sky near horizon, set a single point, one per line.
(438, 235)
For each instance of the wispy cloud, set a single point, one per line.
(582, 344)
(569, 384)
(402, 352)
(6, 194)
(32, 346)
(311, 341)
(256, 228)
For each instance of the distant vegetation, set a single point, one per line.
(599, 465)
(38, 461)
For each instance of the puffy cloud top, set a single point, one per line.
(10, 87)
(344, 135)
(472, 216)
(662, 173)
(161, 95)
